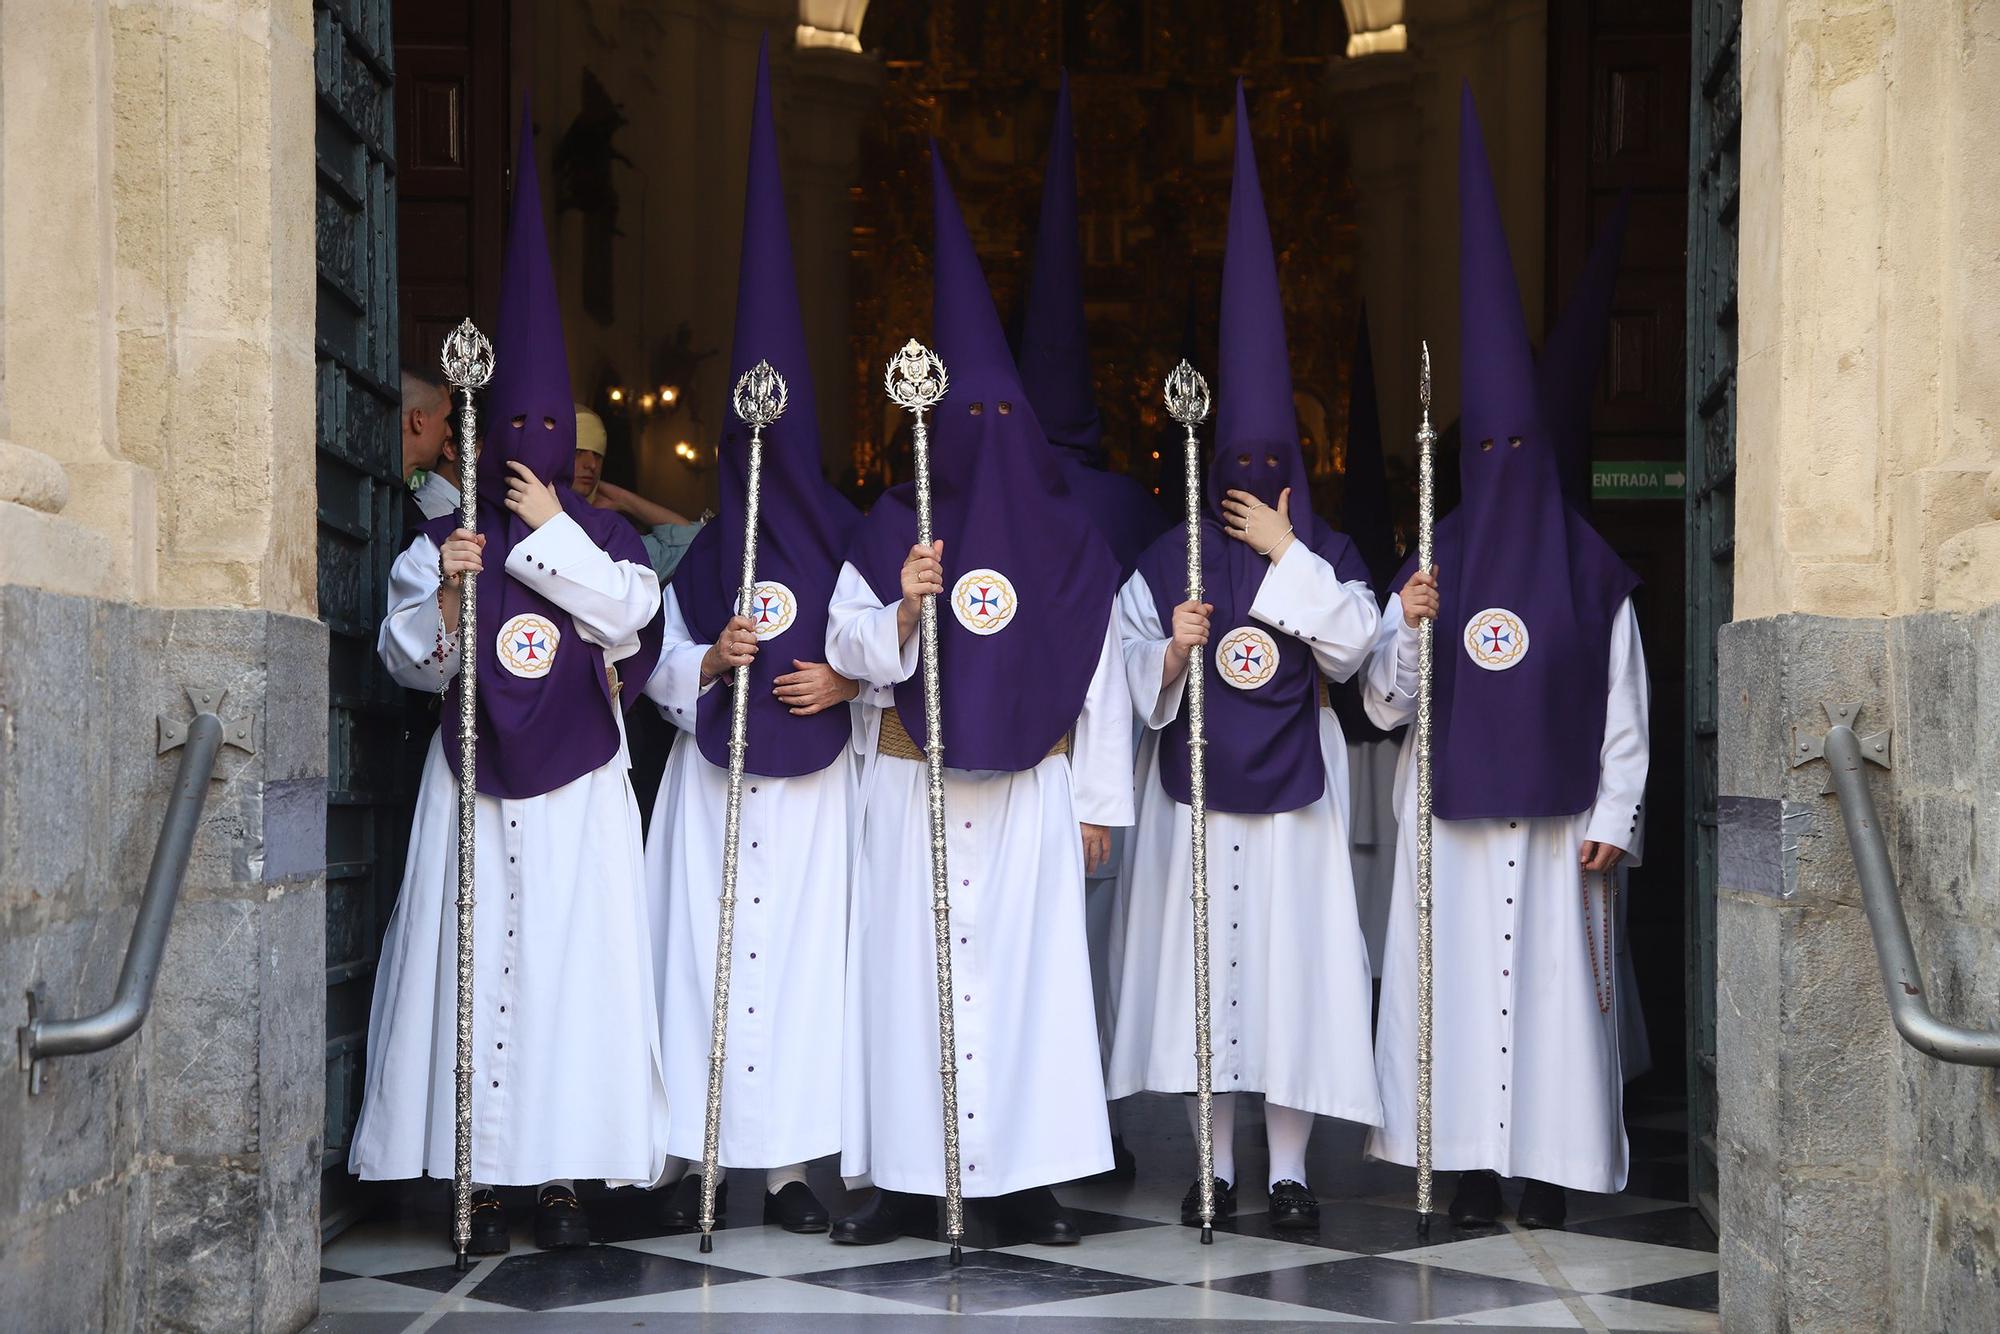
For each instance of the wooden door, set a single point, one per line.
(454, 135)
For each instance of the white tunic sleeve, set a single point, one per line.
(1101, 755)
(1305, 597)
(611, 601)
(676, 681)
(410, 633)
(1619, 817)
(1145, 642)
(1389, 673)
(861, 639)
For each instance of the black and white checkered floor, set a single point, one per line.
(1638, 1261)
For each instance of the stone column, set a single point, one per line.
(1859, 1178)
(158, 532)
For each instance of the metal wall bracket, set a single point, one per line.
(206, 699)
(1807, 748)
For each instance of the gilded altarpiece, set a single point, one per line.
(1152, 86)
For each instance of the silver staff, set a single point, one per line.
(468, 365)
(759, 400)
(916, 381)
(1187, 400)
(1426, 500)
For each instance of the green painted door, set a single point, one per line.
(1713, 199)
(359, 443)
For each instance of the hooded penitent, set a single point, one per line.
(1566, 373)
(803, 524)
(1262, 704)
(1055, 361)
(1028, 582)
(1528, 590)
(536, 731)
(1364, 515)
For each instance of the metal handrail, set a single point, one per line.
(43, 1039)
(1902, 978)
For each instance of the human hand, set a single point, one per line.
(735, 647)
(1266, 531)
(1096, 846)
(1597, 856)
(1420, 598)
(813, 688)
(531, 497)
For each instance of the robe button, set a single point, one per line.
(752, 1069)
(513, 824)
(1507, 937)
(1510, 863)
(753, 954)
(1503, 1051)
(1513, 824)
(753, 842)
(1503, 971)
(753, 1009)
(1503, 1013)
(753, 791)
(968, 824)
(756, 900)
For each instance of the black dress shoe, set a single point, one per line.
(560, 1222)
(889, 1214)
(1035, 1217)
(795, 1209)
(1542, 1205)
(1224, 1202)
(683, 1206)
(489, 1225)
(1294, 1208)
(1477, 1201)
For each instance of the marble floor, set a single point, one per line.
(1642, 1260)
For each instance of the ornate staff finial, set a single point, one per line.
(915, 378)
(1187, 394)
(467, 357)
(760, 395)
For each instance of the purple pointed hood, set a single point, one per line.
(1263, 742)
(1566, 373)
(537, 733)
(1014, 681)
(803, 524)
(1528, 590)
(1055, 360)
(1364, 515)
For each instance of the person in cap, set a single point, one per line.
(564, 1003)
(1287, 608)
(781, 1102)
(1540, 752)
(1037, 732)
(1055, 371)
(665, 533)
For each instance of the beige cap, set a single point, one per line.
(589, 431)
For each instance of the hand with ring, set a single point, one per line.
(1266, 531)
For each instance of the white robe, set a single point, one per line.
(566, 1043)
(1525, 1064)
(782, 1076)
(1289, 992)
(1030, 1086)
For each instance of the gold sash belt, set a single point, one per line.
(896, 743)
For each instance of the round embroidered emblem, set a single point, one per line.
(1496, 639)
(772, 609)
(1246, 657)
(527, 646)
(984, 602)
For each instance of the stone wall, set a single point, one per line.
(172, 1182)
(1860, 1181)
(1840, 1144)
(157, 531)
(1868, 421)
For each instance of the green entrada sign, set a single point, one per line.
(1638, 479)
